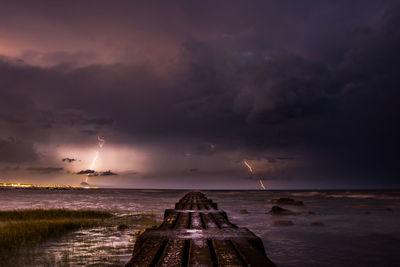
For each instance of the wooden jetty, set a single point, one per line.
(196, 233)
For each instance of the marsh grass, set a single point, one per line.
(27, 228)
(22, 232)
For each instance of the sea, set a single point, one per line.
(332, 228)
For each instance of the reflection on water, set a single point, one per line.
(333, 228)
(103, 246)
(360, 228)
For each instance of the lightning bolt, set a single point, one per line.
(101, 141)
(251, 171)
(96, 155)
(248, 166)
(261, 184)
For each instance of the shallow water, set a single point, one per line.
(353, 228)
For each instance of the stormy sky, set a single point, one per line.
(183, 92)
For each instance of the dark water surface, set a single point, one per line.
(333, 228)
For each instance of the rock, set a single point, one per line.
(244, 211)
(276, 210)
(282, 223)
(317, 224)
(286, 201)
(122, 227)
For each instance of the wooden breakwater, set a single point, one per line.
(196, 233)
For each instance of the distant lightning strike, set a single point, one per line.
(248, 166)
(251, 171)
(101, 143)
(261, 184)
(94, 160)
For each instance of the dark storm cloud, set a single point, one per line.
(78, 118)
(275, 159)
(311, 80)
(69, 160)
(85, 172)
(106, 173)
(10, 168)
(89, 132)
(13, 150)
(100, 121)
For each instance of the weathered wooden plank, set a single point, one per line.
(252, 254)
(226, 254)
(169, 221)
(182, 221)
(196, 233)
(195, 221)
(145, 253)
(173, 254)
(201, 206)
(200, 254)
(222, 220)
(179, 206)
(209, 221)
(195, 206)
(187, 206)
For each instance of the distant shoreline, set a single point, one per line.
(14, 186)
(67, 187)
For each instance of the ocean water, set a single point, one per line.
(333, 228)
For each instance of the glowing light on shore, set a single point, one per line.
(19, 185)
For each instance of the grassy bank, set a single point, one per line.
(23, 232)
(27, 228)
